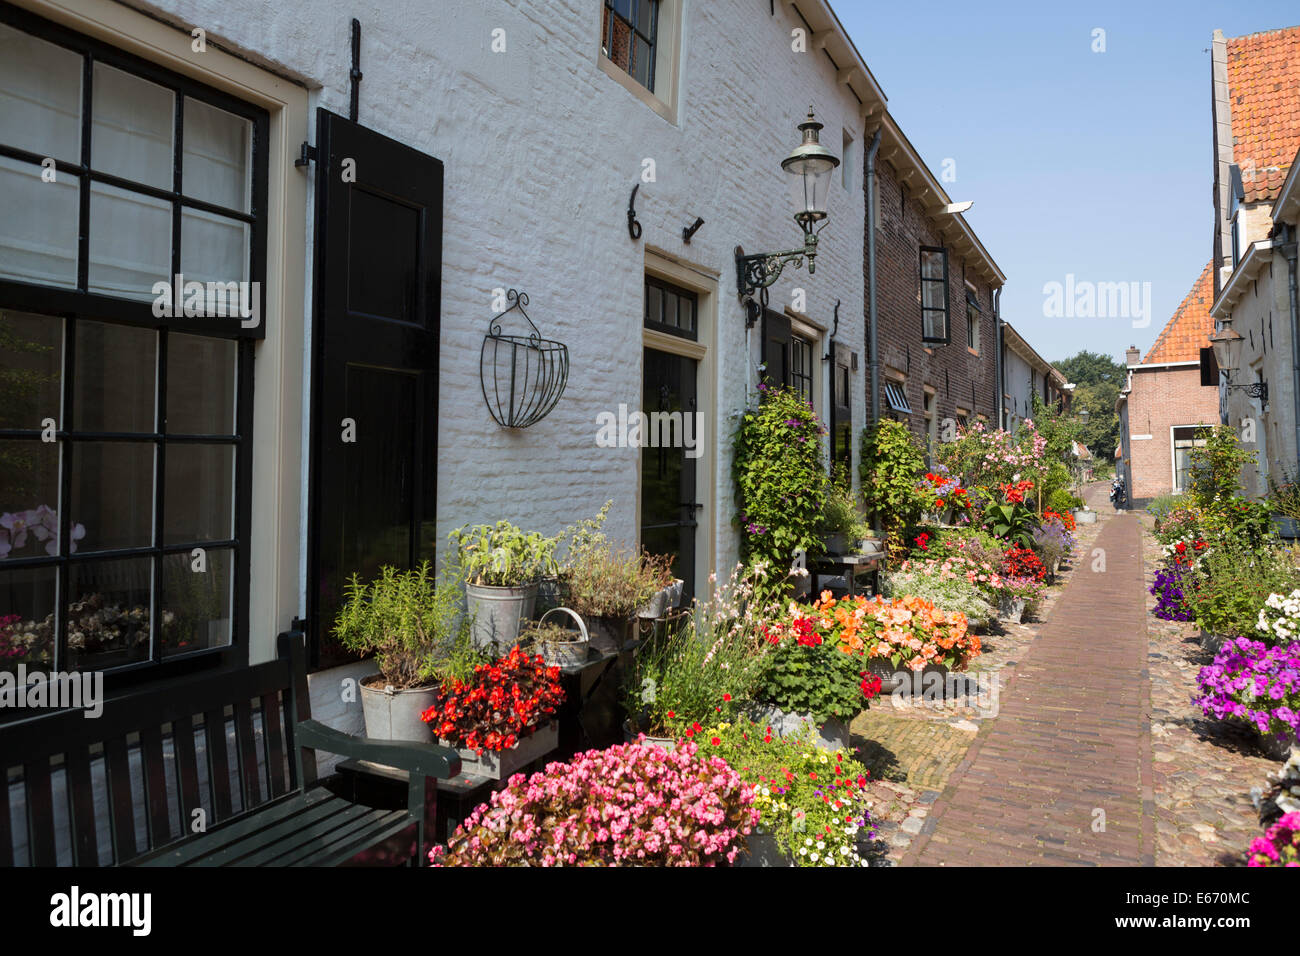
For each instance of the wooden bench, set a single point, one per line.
(264, 805)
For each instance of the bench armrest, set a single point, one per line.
(426, 760)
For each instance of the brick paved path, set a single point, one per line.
(1072, 737)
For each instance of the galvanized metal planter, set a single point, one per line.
(498, 613)
(500, 764)
(395, 714)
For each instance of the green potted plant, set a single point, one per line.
(842, 526)
(608, 587)
(558, 645)
(413, 624)
(503, 567)
(1284, 498)
(681, 678)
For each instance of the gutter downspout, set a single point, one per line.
(1289, 250)
(998, 371)
(873, 345)
(872, 342)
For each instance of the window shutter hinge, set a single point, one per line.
(306, 154)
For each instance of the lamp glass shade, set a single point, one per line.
(810, 166)
(1084, 415)
(1227, 349)
(810, 181)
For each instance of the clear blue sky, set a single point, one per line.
(1095, 164)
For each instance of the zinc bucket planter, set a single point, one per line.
(1286, 527)
(1211, 643)
(1010, 610)
(500, 764)
(891, 677)
(1085, 517)
(832, 735)
(570, 653)
(498, 613)
(395, 714)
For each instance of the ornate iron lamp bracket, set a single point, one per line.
(762, 269)
(1255, 390)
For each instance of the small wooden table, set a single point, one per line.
(849, 567)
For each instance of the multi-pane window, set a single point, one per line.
(973, 315)
(629, 36)
(934, 295)
(1185, 438)
(125, 404)
(801, 367)
(671, 309)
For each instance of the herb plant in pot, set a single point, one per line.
(414, 625)
(608, 587)
(842, 526)
(558, 645)
(502, 566)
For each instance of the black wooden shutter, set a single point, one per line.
(841, 423)
(377, 316)
(777, 337)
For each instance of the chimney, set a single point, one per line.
(1132, 356)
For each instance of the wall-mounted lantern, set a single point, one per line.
(810, 167)
(1227, 352)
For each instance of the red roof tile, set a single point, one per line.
(1264, 96)
(1188, 331)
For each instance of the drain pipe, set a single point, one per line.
(873, 345)
(1289, 250)
(999, 387)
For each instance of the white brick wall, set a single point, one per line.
(541, 151)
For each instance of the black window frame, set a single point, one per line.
(72, 306)
(946, 310)
(974, 316)
(800, 381)
(693, 333)
(636, 29)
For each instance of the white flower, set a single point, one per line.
(813, 857)
(844, 851)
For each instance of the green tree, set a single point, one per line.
(1097, 379)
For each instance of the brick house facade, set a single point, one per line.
(960, 379)
(1163, 403)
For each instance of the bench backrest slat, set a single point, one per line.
(214, 737)
(155, 786)
(121, 805)
(246, 747)
(187, 770)
(81, 800)
(40, 813)
(136, 772)
(274, 744)
(6, 837)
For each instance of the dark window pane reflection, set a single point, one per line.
(108, 615)
(199, 496)
(196, 603)
(31, 358)
(200, 385)
(112, 494)
(113, 385)
(29, 493)
(27, 598)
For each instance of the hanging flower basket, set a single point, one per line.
(523, 376)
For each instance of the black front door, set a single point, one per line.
(668, 505)
(375, 385)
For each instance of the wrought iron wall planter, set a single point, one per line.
(523, 376)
